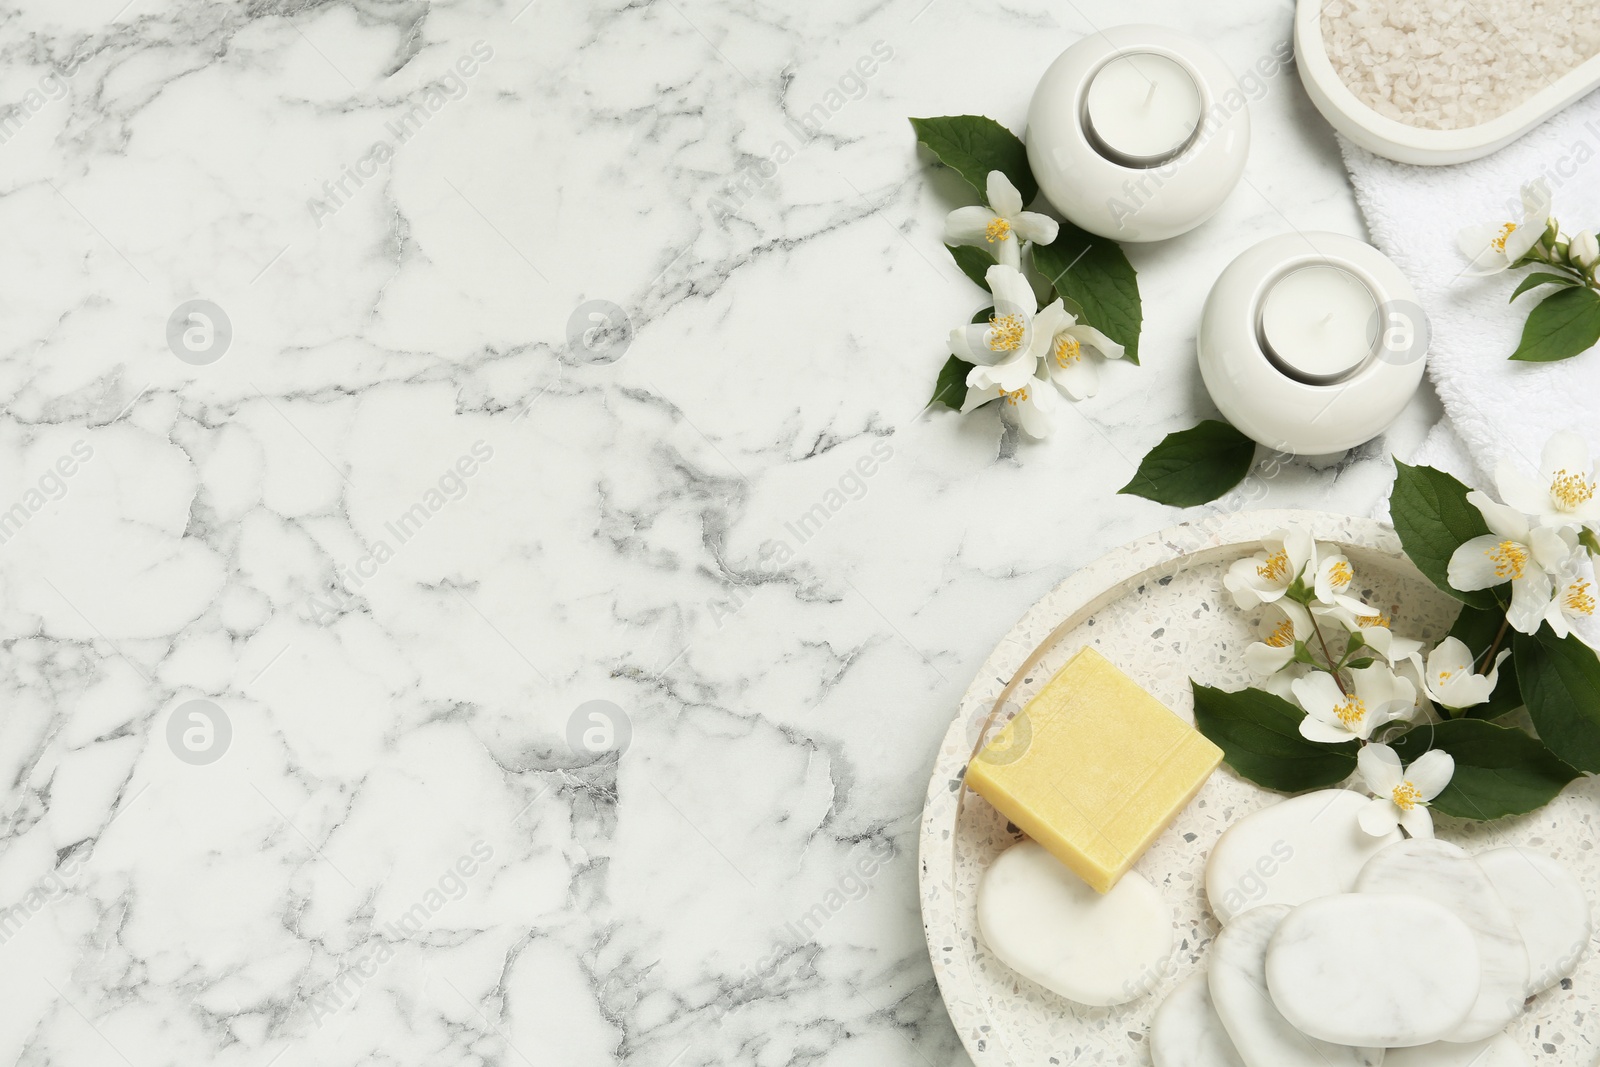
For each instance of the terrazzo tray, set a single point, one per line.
(1156, 609)
(1411, 144)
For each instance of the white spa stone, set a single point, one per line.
(1296, 850)
(1443, 873)
(1549, 906)
(1186, 1031)
(1262, 1036)
(1045, 923)
(1497, 1051)
(1371, 969)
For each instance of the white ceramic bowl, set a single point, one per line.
(1411, 144)
(1136, 203)
(1283, 412)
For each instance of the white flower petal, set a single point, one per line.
(1530, 596)
(1380, 768)
(1431, 772)
(968, 225)
(1522, 240)
(1324, 734)
(1521, 491)
(1008, 253)
(971, 343)
(1452, 655)
(977, 397)
(1507, 522)
(1080, 379)
(1089, 337)
(1014, 373)
(1032, 226)
(1472, 566)
(1379, 817)
(1265, 659)
(1319, 694)
(1473, 241)
(1417, 822)
(1565, 451)
(1037, 413)
(1003, 196)
(1011, 290)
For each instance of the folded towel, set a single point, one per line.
(1494, 408)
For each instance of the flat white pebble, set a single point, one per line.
(1186, 1031)
(1497, 1051)
(1549, 906)
(1375, 970)
(1438, 870)
(1260, 1033)
(1045, 923)
(1293, 851)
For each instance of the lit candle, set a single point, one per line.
(1143, 109)
(1319, 323)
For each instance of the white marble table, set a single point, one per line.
(399, 854)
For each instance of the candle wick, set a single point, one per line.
(1151, 95)
(1327, 320)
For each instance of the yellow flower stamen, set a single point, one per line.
(1276, 567)
(1445, 676)
(1005, 332)
(1341, 574)
(1283, 636)
(998, 230)
(1351, 711)
(1068, 351)
(1510, 560)
(1407, 796)
(1570, 491)
(1014, 397)
(1372, 622)
(1579, 600)
(1505, 235)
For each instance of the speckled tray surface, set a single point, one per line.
(1156, 608)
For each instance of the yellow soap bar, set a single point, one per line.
(1094, 768)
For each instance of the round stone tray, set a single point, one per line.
(1157, 609)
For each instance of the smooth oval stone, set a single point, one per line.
(1045, 923)
(1371, 969)
(1186, 1031)
(1497, 1051)
(1549, 906)
(1260, 1033)
(1291, 852)
(1444, 874)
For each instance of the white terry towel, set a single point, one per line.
(1494, 409)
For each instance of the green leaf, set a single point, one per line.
(1093, 272)
(1500, 771)
(1194, 466)
(983, 315)
(951, 390)
(1564, 325)
(974, 263)
(1561, 683)
(1587, 538)
(973, 145)
(1259, 735)
(1533, 281)
(1477, 628)
(1433, 519)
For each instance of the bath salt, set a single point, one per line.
(1453, 64)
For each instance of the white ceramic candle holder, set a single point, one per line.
(1121, 182)
(1318, 396)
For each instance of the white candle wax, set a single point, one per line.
(1143, 109)
(1320, 322)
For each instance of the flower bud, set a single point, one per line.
(1585, 250)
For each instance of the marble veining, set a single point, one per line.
(1238, 978)
(1373, 969)
(580, 701)
(1186, 1031)
(1445, 874)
